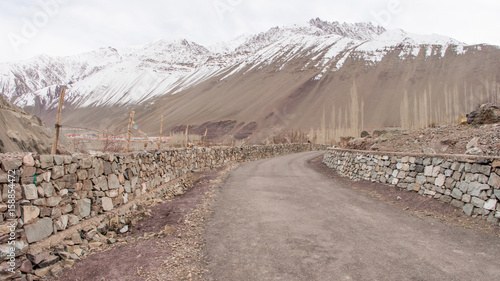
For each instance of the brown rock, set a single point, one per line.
(26, 266)
(38, 257)
(30, 213)
(107, 204)
(43, 272)
(48, 261)
(28, 160)
(485, 114)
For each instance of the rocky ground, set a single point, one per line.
(479, 134)
(461, 139)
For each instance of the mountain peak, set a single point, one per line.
(358, 31)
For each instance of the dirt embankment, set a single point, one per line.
(462, 139)
(22, 131)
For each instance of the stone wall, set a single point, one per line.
(471, 183)
(52, 193)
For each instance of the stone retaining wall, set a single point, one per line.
(54, 192)
(471, 183)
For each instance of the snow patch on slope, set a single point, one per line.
(135, 74)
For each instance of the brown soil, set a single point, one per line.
(164, 246)
(443, 139)
(410, 202)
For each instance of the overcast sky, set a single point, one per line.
(63, 27)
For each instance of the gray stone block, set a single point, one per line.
(440, 180)
(46, 161)
(476, 188)
(30, 192)
(82, 174)
(53, 201)
(39, 230)
(428, 171)
(456, 193)
(466, 198)
(457, 203)
(59, 159)
(491, 204)
(82, 208)
(468, 208)
(477, 202)
(86, 163)
(445, 199)
(107, 204)
(48, 189)
(9, 164)
(113, 181)
(57, 172)
(494, 181)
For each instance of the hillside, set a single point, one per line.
(22, 131)
(326, 79)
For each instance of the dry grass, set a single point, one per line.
(179, 139)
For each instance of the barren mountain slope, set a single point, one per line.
(358, 96)
(326, 79)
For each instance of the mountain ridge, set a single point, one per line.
(316, 52)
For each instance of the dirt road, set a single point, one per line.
(278, 219)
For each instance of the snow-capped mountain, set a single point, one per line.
(295, 69)
(111, 76)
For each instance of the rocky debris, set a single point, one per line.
(485, 114)
(345, 140)
(462, 139)
(360, 143)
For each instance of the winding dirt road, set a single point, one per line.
(278, 219)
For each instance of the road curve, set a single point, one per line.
(278, 219)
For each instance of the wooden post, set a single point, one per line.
(130, 129)
(205, 138)
(161, 129)
(58, 121)
(187, 132)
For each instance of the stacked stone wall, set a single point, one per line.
(471, 183)
(42, 195)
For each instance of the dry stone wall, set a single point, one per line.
(42, 195)
(471, 183)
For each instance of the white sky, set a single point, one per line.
(73, 26)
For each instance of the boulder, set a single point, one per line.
(485, 114)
